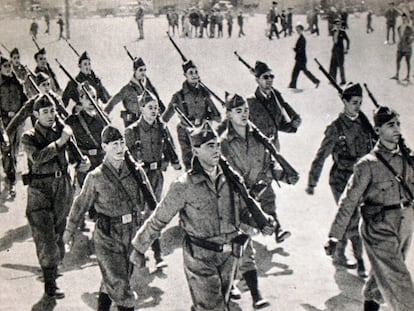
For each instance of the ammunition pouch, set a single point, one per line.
(239, 245)
(128, 116)
(372, 213)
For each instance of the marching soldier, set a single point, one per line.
(43, 66)
(338, 51)
(249, 157)
(268, 110)
(114, 192)
(17, 67)
(145, 140)
(129, 93)
(383, 181)
(12, 99)
(347, 139)
(86, 74)
(209, 215)
(50, 191)
(195, 102)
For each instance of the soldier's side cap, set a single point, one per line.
(83, 57)
(41, 77)
(188, 64)
(352, 89)
(138, 62)
(110, 134)
(3, 60)
(43, 101)
(260, 68)
(14, 51)
(274, 2)
(383, 115)
(146, 97)
(202, 134)
(42, 51)
(234, 101)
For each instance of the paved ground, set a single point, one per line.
(295, 275)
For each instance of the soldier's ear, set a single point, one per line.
(377, 130)
(195, 151)
(36, 114)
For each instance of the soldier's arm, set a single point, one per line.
(103, 94)
(167, 115)
(20, 116)
(131, 142)
(326, 148)
(69, 93)
(172, 204)
(82, 203)
(115, 100)
(37, 155)
(351, 198)
(214, 114)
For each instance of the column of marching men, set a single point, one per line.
(226, 194)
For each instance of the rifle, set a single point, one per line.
(5, 47)
(184, 59)
(236, 181)
(290, 112)
(160, 102)
(72, 47)
(329, 77)
(49, 69)
(405, 150)
(77, 153)
(98, 109)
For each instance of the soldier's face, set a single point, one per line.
(46, 116)
(114, 150)
(41, 61)
(45, 86)
(239, 116)
(6, 69)
(15, 59)
(140, 73)
(192, 75)
(390, 132)
(265, 81)
(353, 105)
(150, 111)
(85, 66)
(208, 153)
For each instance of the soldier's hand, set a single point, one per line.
(330, 246)
(137, 258)
(65, 136)
(177, 166)
(84, 165)
(68, 238)
(297, 122)
(292, 179)
(268, 230)
(310, 190)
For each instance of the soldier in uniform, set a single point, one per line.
(43, 66)
(130, 92)
(268, 110)
(249, 157)
(209, 215)
(391, 15)
(12, 99)
(50, 191)
(383, 181)
(347, 139)
(114, 192)
(17, 67)
(145, 140)
(86, 74)
(139, 18)
(195, 102)
(338, 51)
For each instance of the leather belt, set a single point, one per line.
(56, 174)
(219, 248)
(123, 219)
(152, 166)
(91, 152)
(402, 205)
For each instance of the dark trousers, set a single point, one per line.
(391, 27)
(273, 29)
(337, 61)
(407, 56)
(301, 66)
(229, 29)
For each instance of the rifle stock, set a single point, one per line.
(72, 48)
(5, 47)
(251, 69)
(371, 96)
(329, 77)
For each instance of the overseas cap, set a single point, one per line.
(234, 101)
(203, 134)
(188, 64)
(110, 134)
(3, 60)
(138, 62)
(14, 51)
(42, 51)
(84, 56)
(146, 97)
(260, 68)
(384, 114)
(352, 89)
(43, 101)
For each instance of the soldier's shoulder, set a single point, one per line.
(367, 160)
(28, 136)
(73, 118)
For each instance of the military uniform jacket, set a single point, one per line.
(347, 141)
(90, 146)
(195, 103)
(109, 197)
(12, 97)
(248, 156)
(338, 44)
(129, 96)
(391, 15)
(145, 141)
(71, 90)
(266, 114)
(20, 72)
(374, 184)
(54, 83)
(206, 209)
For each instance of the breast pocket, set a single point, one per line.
(383, 190)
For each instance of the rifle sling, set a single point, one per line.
(87, 131)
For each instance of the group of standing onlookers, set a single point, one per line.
(284, 20)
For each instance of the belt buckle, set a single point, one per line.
(153, 166)
(227, 248)
(11, 114)
(129, 117)
(405, 205)
(93, 152)
(126, 219)
(58, 174)
(197, 121)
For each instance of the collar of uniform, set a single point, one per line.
(232, 134)
(145, 125)
(187, 88)
(136, 82)
(124, 169)
(198, 174)
(261, 95)
(348, 121)
(43, 130)
(383, 150)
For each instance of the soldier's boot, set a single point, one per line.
(339, 258)
(159, 261)
(12, 191)
(357, 249)
(121, 308)
(370, 305)
(362, 273)
(104, 302)
(251, 280)
(51, 289)
(281, 235)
